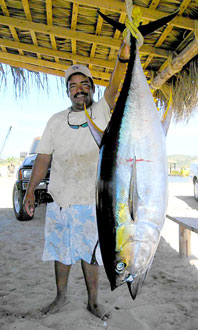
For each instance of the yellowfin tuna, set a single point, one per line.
(131, 192)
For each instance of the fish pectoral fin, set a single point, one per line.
(132, 189)
(93, 258)
(96, 132)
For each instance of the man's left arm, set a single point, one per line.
(117, 76)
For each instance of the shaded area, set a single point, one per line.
(69, 32)
(190, 201)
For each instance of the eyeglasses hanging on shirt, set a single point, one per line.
(77, 126)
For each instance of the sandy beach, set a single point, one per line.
(167, 301)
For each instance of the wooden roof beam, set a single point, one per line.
(5, 11)
(48, 64)
(147, 13)
(153, 5)
(117, 35)
(29, 18)
(50, 22)
(38, 27)
(98, 30)
(45, 70)
(58, 31)
(31, 67)
(166, 32)
(56, 53)
(68, 34)
(73, 26)
(12, 29)
(144, 50)
(177, 64)
(49, 11)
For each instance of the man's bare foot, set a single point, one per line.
(55, 306)
(99, 311)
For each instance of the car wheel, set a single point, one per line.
(196, 189)
(19, 211)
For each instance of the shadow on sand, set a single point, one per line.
(190, 201)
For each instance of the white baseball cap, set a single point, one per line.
(77, 68)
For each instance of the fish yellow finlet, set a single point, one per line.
(169, 104)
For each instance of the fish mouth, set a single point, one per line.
(133, 289)
(134, 283)
(124, 276)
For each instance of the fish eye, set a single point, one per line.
(120, 266)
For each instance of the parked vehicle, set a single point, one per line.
(194, 175)
(22, 179)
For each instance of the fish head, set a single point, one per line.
(131, 261)
(134, 256)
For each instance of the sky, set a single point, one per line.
(28, 117)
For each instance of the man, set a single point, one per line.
(71, 231)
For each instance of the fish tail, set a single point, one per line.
(152, 26)
(117, 25)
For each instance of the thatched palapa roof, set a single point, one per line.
(47, 36)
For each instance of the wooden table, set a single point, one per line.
(186, 225)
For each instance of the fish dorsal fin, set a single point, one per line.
(94, 129)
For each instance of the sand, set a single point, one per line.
(167, 301)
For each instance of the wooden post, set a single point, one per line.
(184, 241)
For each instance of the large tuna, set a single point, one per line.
(131, 192)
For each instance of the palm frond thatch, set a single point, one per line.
(186, 92)
(38, 38)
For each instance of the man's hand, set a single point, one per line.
(29, 204)
(124, 51)
(39, 171)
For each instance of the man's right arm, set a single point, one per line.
(39, 172)
(118, 75)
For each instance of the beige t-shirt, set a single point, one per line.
(74, 154)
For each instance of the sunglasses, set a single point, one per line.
(76, 126)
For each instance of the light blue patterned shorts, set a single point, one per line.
(71, 234)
